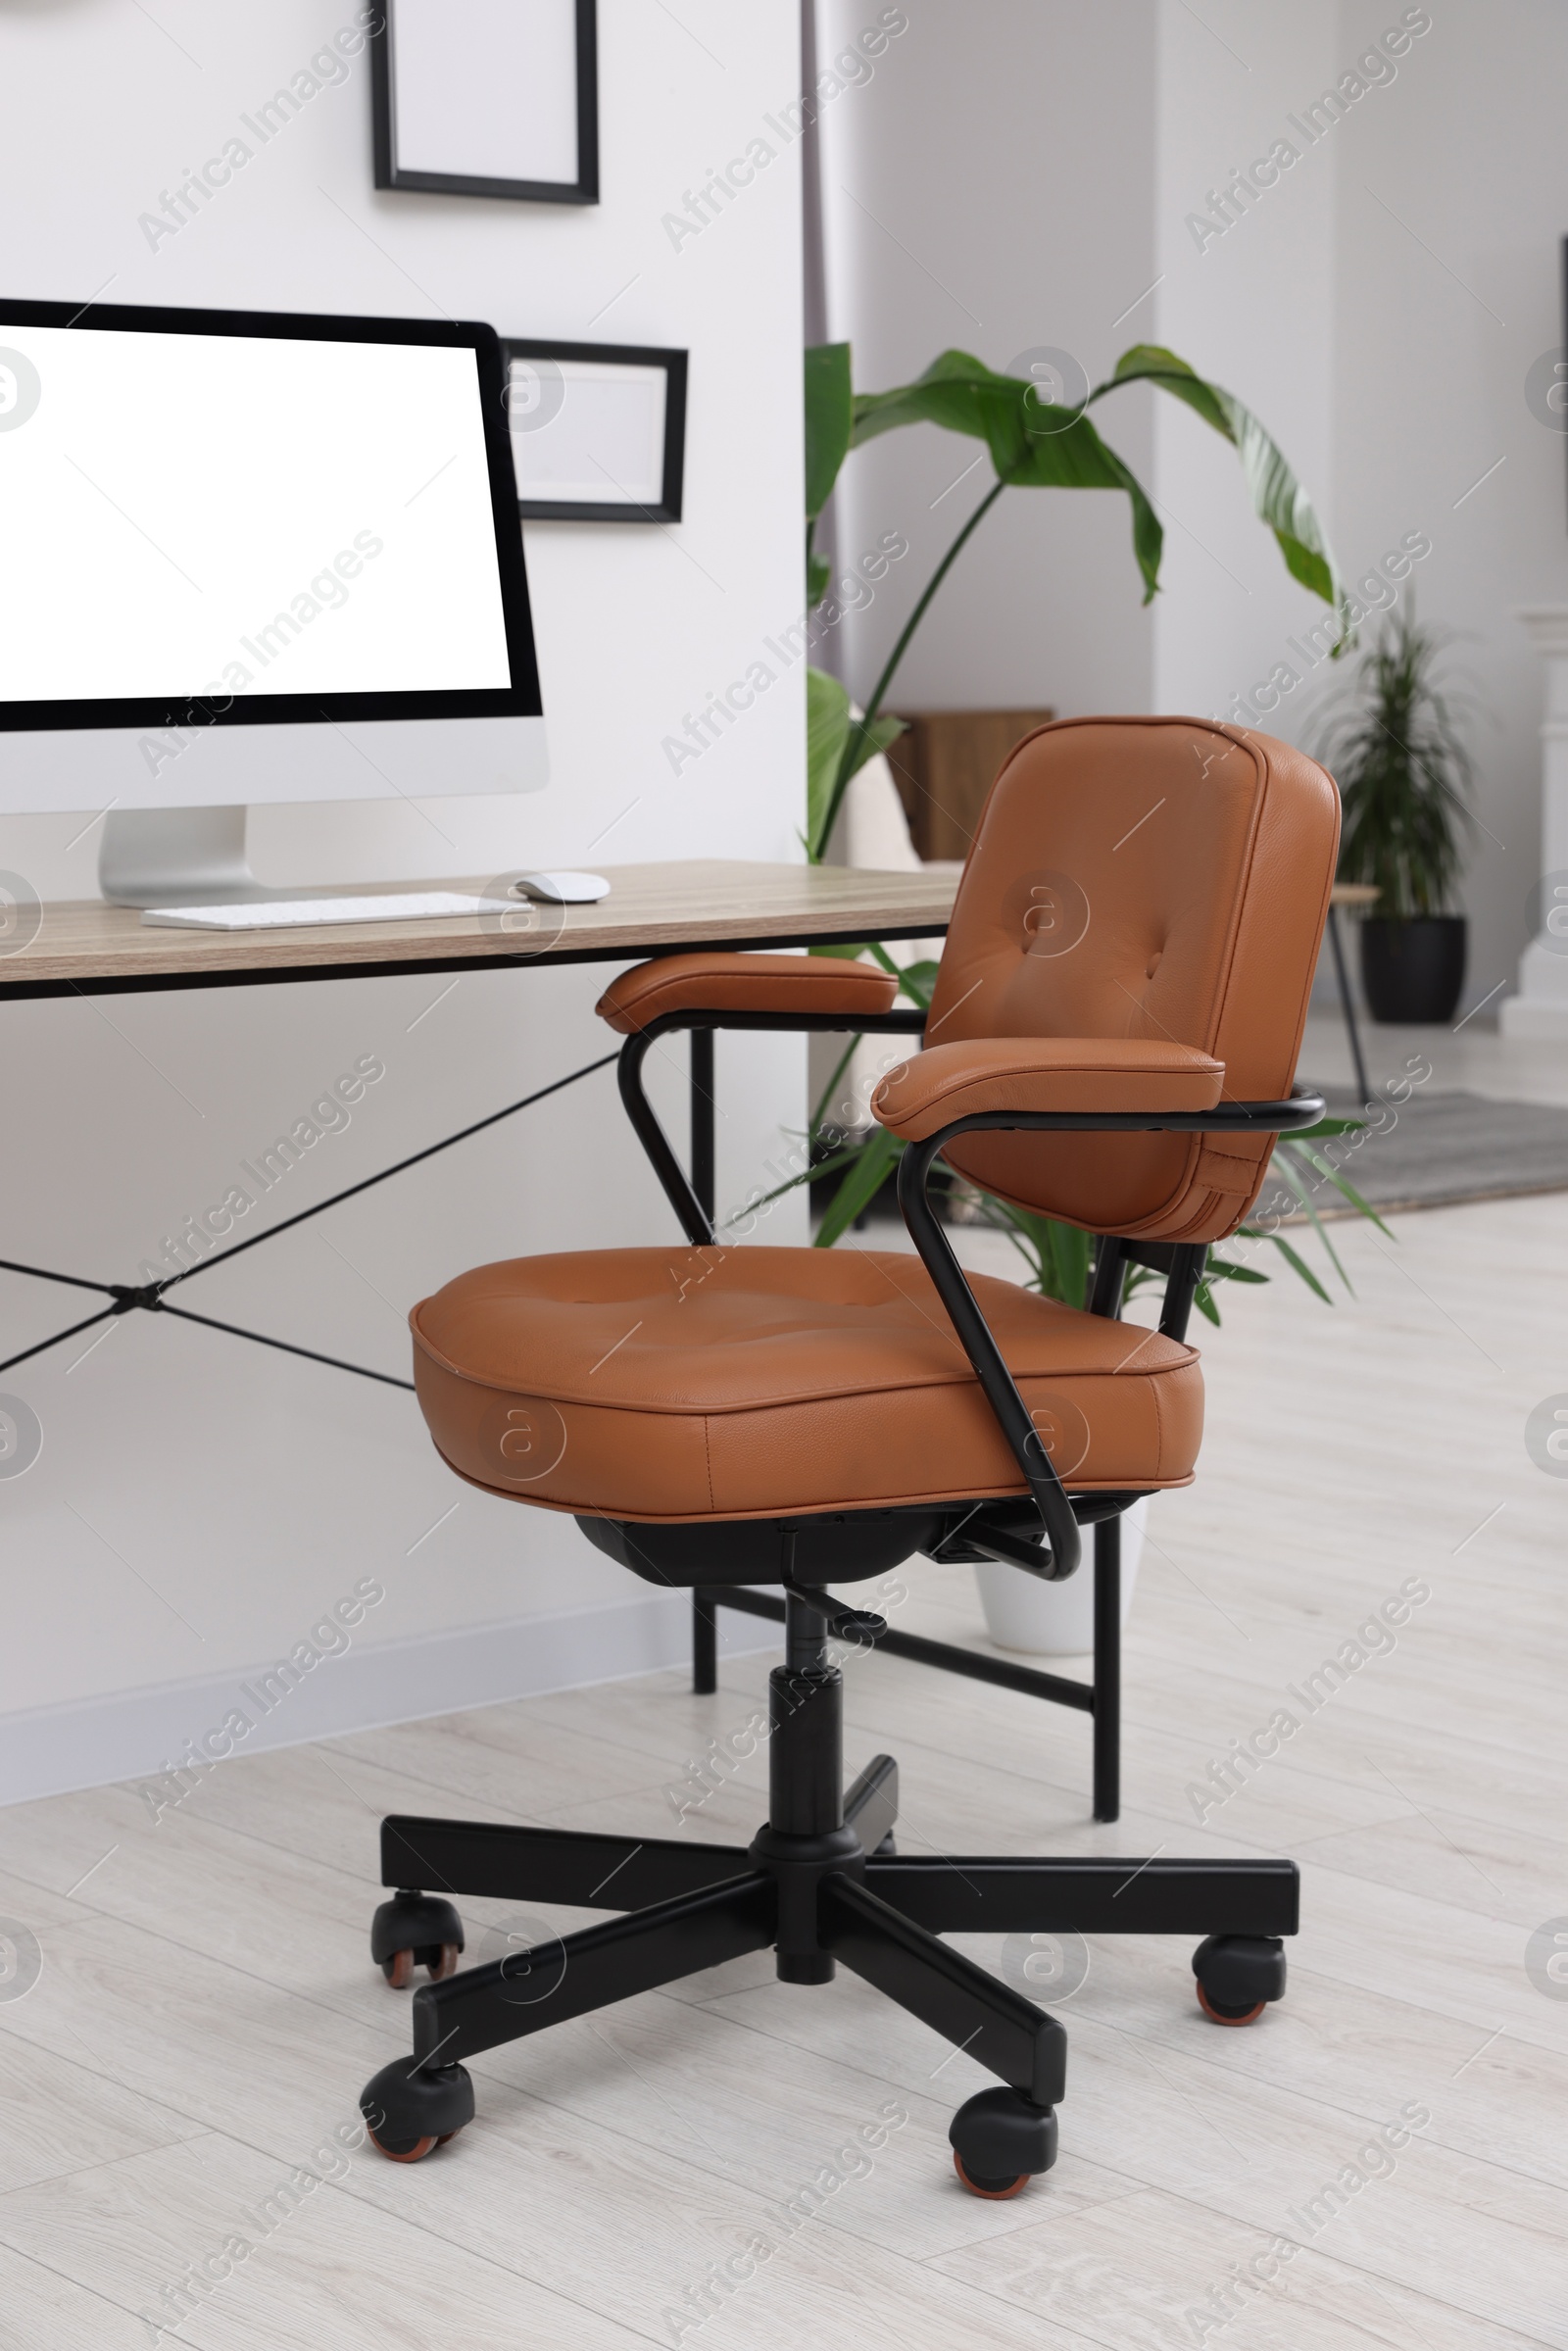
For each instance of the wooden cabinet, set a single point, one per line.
(946, 763)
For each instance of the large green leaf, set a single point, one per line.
(1301, 1267)
(918, 981)
(875, 1157)
(946, 394)
(832, 735)
(870, 736)
(827, 722)
(1340, 1182)
(829, 414)
(1285, 1165)
(1277, 497)
(1029, 447)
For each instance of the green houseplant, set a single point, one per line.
(1405, 775)
(1037, 448)
(1032, 446)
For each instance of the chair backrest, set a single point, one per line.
(1143, 877)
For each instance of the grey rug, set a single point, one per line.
(1434, 1150)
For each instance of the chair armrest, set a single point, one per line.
(819, 986)
(986, 1075)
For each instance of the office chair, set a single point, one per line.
(1112, 1041)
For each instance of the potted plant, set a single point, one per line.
(1404, 774)
(1031, 445)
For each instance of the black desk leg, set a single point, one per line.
(702, 1169)
(1108, 1670)
(1348, 1005)
(705, 1641)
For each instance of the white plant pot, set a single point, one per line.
(1056, 1620)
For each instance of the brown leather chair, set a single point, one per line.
(1112, 1041)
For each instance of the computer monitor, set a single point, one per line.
(252, 557)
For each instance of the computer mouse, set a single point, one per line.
(561, 889)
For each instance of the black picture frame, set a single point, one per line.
(668, 507)
(389, 173)
(1564, 322)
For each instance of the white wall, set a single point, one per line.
(1252, 309)
(1381, 308)
(1440, 313)
(1014, 176)
(974, 197)
(1034, 163)
(199, 1501)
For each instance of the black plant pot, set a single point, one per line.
(1412, 970)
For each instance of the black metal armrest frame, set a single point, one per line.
(1058, 1523)
(678, 1188)
(1056, 1516)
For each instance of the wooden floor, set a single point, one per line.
(206, 2011)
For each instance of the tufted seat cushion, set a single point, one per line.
(687, 1384)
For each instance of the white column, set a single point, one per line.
(1540, 1007)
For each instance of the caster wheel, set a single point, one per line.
(980, 2184)
(889, 1845)
(439, 1959)
(413, 2152)
(409, 2110)
(1238, 1976)
(1219, 2015)
(415, 1930)
(1000, 2140)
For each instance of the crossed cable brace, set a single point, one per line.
(151, 1296)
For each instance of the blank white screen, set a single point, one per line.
(179, 517)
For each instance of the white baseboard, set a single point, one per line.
(136, 1734)
(1536, 1020)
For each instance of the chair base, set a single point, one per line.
(819, 1885)
(1100, 1697)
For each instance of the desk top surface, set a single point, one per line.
(86, 945)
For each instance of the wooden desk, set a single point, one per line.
(85, 948)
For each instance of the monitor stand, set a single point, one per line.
(175, 857)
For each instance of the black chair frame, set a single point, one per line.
(1181, 1264)
(822, 1881)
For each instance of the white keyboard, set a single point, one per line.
(291, 913)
